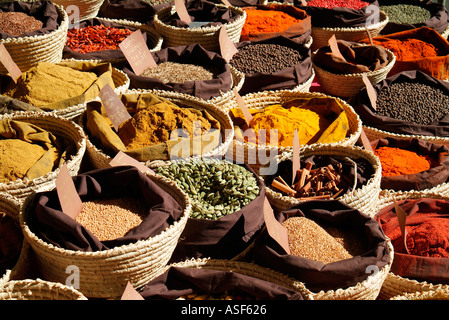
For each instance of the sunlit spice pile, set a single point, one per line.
(96, 38)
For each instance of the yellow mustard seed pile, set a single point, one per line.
(109, 219)
(309, 240)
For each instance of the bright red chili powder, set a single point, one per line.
(330, 4)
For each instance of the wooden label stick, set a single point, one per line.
(9, 64)
(114, 107)
(69, 199)
(372, 95)
(402, 218)
(334, 47)
(275, 229)
(182, 12)
(295, 161)
(136, 52)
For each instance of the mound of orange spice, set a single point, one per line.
(267, 21)
(396, 161)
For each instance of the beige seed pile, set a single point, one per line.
(109, 219)
(309, 240)
(178, 72)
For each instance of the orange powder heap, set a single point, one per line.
(265, 21)
(397, 161)
(409, 49)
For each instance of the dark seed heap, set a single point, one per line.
(17, 23)
(415, 102)
(265, 58)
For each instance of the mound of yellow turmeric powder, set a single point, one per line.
(47, 83)
(17, 157)
(156, 123)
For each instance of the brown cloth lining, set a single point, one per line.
(423, 180)
(357, 58)
(337, 17)
(51, 225)
(317, 275)
(189, 54)
(420, 268)
(44, 11)
(204, 11)
(178, 281)
(133, 10)
(363, 108)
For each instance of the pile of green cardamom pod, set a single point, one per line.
(216, 187)
(406, 13)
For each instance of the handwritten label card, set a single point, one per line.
(334, 47)
(402, 218)
(227, 47)
(8, 63)
(370, 90)
(182, 12)
(275, 229)
(130, 293)
(69, 199)
(295, 161)
(114, 107)
(226, 3)
(122, 159)
(365, 141)
(242, 105)
(137, 53)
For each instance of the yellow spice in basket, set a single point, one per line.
(157, 123)
(17, 157)
(109, 219)
(309, 240)
(47, 83)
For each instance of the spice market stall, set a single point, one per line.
(38, 37)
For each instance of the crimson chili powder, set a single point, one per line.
(330, 4)
(96, 38)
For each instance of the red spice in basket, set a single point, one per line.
(330, 4)
(96, 38)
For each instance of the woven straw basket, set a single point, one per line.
(437, 293)
(445, 34)
(396, 285)
(248, 269)
(374, 134)
(61, 127)
(100, 159)
(347, 85)
(80, 9)
(365, 290)
(121, 83)
(249, 153)
(37, 289)
(321, 35)
(10, 205)
(26, 52)
(364, 199)
(238, 78)
(104, 274)
(207, 37)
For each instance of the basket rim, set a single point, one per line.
(33, 239)
(367, 155)
(80, 145)
(63, 26)
(200, 30)
(281, 150)
(374, 73)
(384, 20)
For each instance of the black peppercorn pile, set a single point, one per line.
(415, 102)
(265, 58)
